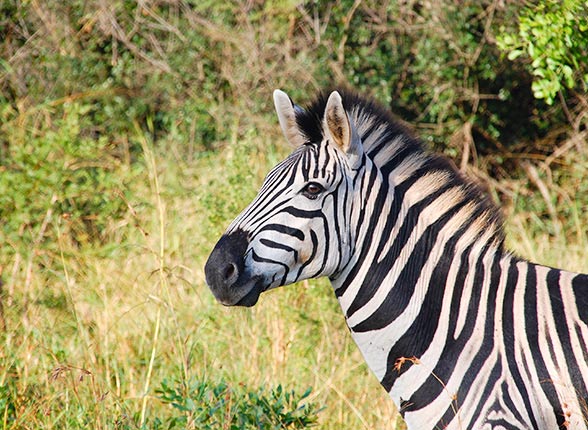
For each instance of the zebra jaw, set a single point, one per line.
(226, 275)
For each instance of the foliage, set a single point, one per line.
(202, 72)
(197, 69)
(58, 173)
(554, 35)
(437, 66)
(209, 406)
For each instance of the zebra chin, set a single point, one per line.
(246, 294)
(226, 276)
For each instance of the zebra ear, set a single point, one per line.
(340, 126)
(286, 111)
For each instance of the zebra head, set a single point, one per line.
(287, 232)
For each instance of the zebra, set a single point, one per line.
(459, 331)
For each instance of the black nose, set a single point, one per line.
(226, 262)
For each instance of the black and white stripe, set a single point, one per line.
(461, 333)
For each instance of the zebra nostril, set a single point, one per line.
(231, 272)
(226, 263)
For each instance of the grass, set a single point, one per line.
(93, 339)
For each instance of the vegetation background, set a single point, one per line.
(132, 132)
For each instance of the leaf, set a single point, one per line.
(512, 55)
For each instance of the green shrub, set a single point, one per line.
(554, 36)
(203, 71)
(55, 176)
(208, 406)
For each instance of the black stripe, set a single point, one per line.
(314, 240)
(337, 242)
(512, 408)
(584, 348)
(315, 159)
(325, 164)
(276, 245)
(563, 332)
(580, 287)
(327, 239)
(284, 229)
(508, 317)
(306, 163)
(532, 331)
(360, 173)
(303, 213)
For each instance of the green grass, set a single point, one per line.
(104, 336)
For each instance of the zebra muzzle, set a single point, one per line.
(226, 275)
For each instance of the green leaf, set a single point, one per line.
(512, 55)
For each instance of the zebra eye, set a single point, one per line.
(312, 190)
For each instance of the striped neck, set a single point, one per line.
(431, 227)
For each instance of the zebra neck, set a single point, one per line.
(393, 293)
(422, 229)
(400, 312)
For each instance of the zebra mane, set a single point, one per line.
(390, 144)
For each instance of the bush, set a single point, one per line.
(208, 406)
(55, 176)
(203, 72)
(554, 36)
